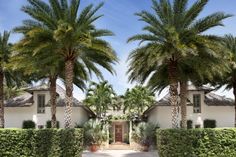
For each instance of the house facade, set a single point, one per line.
(202, 104)
(33, 104)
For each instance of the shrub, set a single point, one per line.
(208, 123)
(28, 124)
(41, 143)
(144, 133)
(49, 124)
(196, 142)
(94, 133)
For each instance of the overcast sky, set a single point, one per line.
(119, 18)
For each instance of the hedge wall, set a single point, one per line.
(196, 143)
(41, 143)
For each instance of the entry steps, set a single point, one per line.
(119, 146)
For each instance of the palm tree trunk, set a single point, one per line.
(52, 81)
(234, 91)
(1, 101)
(183, 103)
(69, 75)
(173, 90)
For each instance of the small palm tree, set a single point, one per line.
(137, 100)
(100, 97)
(173, 33)
(77, 39)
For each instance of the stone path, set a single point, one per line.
(119, 153)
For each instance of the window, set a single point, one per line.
(196, 103)
(41, 103)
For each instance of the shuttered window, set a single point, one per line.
(196, 103)
(41, 103)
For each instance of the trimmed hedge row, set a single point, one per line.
(196, 142)
(41, 143)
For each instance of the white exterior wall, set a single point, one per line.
(224, 115)
(14, 116)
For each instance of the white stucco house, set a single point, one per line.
(33, 104)
(202, 104)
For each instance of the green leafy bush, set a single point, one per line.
(209, 123)
(94, 133)
(196, 142)
(144, 133)
(28, 124)
(41, 143)
(49, 124)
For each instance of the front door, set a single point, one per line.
(118, 133)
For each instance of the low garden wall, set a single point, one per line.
(196, 142)
(41, 143)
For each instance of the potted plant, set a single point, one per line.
(144, 134)
(94, 135)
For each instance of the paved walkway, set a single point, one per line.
(119, 153)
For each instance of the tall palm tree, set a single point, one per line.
(229, 78)
(100, 97)
(173, 32)
(45, 64)
(7, 76)
(137, 100)
(77, 39)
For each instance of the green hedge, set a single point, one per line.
(28, 124)
(209, 123)
(196, 142)
(41, 143)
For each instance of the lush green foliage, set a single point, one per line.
(137, 100)
(209, 123)
(49, 124)
(99, 97)
(28, 124)
(41, 143)
(94, 133)
(174, 48)
(174, 35)
(71, 34)
(144, 133)
(196, 142)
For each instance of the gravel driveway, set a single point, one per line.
(119, 153)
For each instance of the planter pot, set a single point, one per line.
(145, 148)
(93, 148)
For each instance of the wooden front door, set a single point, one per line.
(118, 133)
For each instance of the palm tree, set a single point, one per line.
(77, 39)
(173, 33)
(229, 78)
(137, 100)
(7, 76)
(100, 97)
(40, 65)
(118, 103)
